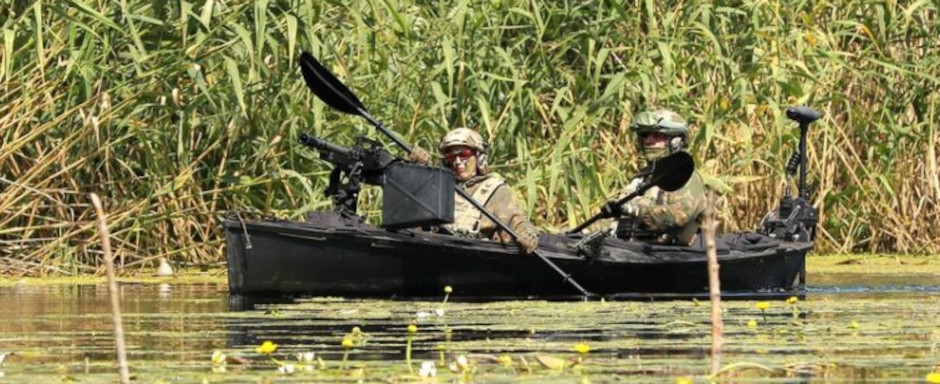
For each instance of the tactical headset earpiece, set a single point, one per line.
(483, 159)
(676, 144)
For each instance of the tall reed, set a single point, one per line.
(184, 110)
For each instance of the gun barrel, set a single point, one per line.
(323, 145)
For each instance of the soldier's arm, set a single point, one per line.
(504, 205)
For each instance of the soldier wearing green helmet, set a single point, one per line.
(658, 216)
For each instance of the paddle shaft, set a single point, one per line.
(515, 235)
(639, 191)
(401, 143)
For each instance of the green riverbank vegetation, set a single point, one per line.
(176, 111)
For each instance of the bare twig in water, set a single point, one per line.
(714, 285)
(112, 289)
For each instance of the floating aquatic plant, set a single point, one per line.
(305, 360)
(412, 331)
(582, 348)
(219, 361)
(286, 369)
(933, 378)
(347, 344)
(763, 306)
(427, 370)
(266, 348)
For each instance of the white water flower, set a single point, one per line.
(439, 312)
(422, 315)
(427, 370)
(218, 357)
(460, 364)
(305, 357)
(286, 369)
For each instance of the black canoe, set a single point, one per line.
(327, 255)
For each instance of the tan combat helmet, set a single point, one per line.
(468, 138)
(663, 121)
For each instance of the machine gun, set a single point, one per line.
(364, 162)
(795, 219)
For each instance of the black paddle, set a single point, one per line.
(669, 174)
(332, 91)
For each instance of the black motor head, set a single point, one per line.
(803, 115)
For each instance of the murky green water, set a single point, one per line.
(885, 330)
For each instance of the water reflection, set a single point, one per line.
(842, 330)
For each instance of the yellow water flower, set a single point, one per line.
(582, 348)
(853, 324)
(504, 359)
(448, 289)
(752, 323)
(348, 343)
(762, 305)
(933, 378)
(792, 300)
(266, 348)
(683, 380)
(412, 329)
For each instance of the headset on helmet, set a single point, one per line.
(468, 138)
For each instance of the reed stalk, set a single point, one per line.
(113, 292)
(714, 282)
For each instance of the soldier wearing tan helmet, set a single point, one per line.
(659, 216)
(465, 153)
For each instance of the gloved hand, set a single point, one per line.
(529, 242)
(419, 156)
(611, 209)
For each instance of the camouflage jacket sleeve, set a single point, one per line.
(504, 205)
(669, 211)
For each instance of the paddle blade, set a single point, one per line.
(327, 87)
(672, 172)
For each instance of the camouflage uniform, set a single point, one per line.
(667, 217)
(664, 217)
(488, 189)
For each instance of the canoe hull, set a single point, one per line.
(278, 258)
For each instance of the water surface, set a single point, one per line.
(883, 328)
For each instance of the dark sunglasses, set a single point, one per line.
(463, 154)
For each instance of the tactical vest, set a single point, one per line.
(468, 220)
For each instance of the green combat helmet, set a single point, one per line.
(663, 121)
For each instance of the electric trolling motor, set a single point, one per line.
(795, 219)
